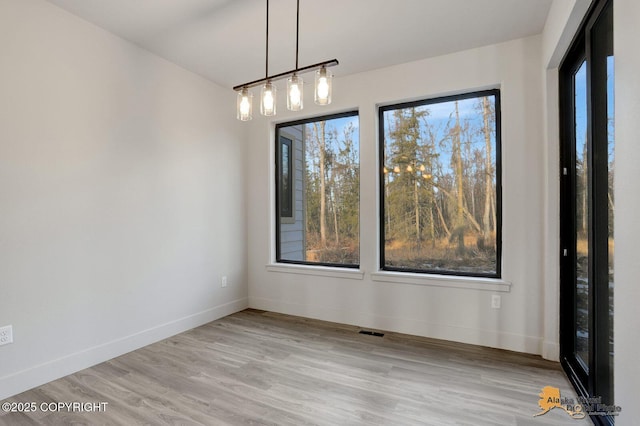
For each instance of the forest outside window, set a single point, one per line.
(440, 186)
(318, 191)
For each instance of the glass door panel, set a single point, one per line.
(587, 209)
(581, 266)
(610, 201)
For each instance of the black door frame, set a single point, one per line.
(594, 380)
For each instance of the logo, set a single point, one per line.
(550, 398)
(579, 408)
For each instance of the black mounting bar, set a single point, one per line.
(282, 75)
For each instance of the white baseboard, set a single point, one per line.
(488, 338)
(551, 351)
(38, 375)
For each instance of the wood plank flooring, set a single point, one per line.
(255, 368)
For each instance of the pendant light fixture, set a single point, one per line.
(268, 99)
(245, 105)
(295, 93)
(323, 87)
(295, 83)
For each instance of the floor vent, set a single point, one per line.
(371, 333)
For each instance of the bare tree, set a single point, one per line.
(319, 128)
(458, 170)
(489, 196)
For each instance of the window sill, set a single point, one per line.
(319, 271)
(475, 283)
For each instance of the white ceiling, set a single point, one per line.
(224, 40)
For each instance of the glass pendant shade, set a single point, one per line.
(244, 105)
(323, 87)
(268, 99)
(294, 93)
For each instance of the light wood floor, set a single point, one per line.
(256, 367)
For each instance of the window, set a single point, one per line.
(440, 185)
(286, 179)
(318, 191)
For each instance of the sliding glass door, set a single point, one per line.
(587, 208)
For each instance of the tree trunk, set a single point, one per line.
(457, 152)
(488, 195)
(444, 224)
(320, 137)
(432, 224)
(416, 202)
(465, 211)
(335, 218)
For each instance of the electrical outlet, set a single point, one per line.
(6, 335)
(495, 301)
(223, 281)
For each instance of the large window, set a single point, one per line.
(440, 185)
(318, 191)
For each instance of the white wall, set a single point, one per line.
(562, 23)
(434, 307)
(122, 196)
(121, 199)
(627, 225)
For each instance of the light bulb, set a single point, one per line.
(244, 106)
(294, 93)
(244, 103)
(268, 103)
(268, 100)
(323, 87)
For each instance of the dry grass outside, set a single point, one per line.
(442, 254)
(582, 247)
(344, 252)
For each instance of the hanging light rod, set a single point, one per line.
(295, 83)
(282, 75)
